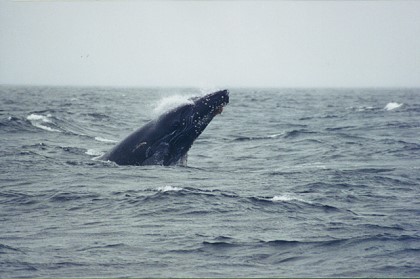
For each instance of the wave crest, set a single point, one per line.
(169, 188)
(392, 106)
(43, 122)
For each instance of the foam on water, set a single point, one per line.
(93, 152)
(37, 117)
(101, 139)
(286, 198)
(169, 188)
(392, 106)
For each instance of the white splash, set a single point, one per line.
(286, 198)
(169, 188)
(392, 106)
(104, 140)
(167, 103)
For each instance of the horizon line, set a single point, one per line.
(216, 86)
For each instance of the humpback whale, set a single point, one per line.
(167, 139)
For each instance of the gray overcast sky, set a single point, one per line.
(211, 43)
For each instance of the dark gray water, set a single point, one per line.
(284, 183)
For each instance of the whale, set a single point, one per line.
(166, 139)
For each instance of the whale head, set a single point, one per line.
(185, 123)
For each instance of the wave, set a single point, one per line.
(5, 249)
(349, 241)
(98, 116)
(390, 106)
(18, 198)
(287, 135)
(103, 247)
(187, 191)
(367, 241)
(43, 122)
(371, 170)
(46, 121)
(71, 196)
(297, 133)
(279, 198)
(289, 200)
(220, 244)
(282, 243)
(340, 128)
(13, 123)
(401, 145)
(209, 197)
(403, 125)
(245, 138)
(327, 116)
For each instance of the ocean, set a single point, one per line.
(285, 183)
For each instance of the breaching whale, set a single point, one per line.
(167, 139)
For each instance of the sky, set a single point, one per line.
(211, 43)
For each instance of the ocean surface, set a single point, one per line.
(286, 182)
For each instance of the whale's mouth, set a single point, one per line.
(219, 110)
(212, 104)
(225, 100)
